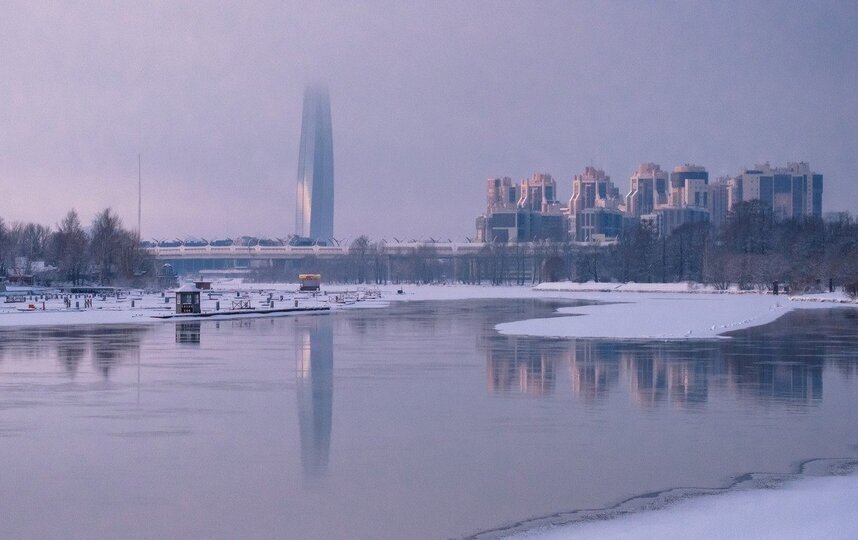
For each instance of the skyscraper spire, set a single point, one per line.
(314, 215)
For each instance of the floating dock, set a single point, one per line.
(240, 312)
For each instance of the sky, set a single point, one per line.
(428, 101)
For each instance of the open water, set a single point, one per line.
(416, 421)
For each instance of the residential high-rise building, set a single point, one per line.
(734, 191)
(688, 186)
(593, 224)
(667, 218)
(539, 194)
(593, 207)
(314, 216)
(791, 192)
(719, 201)
(648, 190)
(524, 213)
(591, 189)
(501, 194)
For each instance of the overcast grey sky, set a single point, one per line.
(428, 100)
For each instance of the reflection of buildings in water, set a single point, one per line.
(520, 365)
(784, 360)
(688, 382)
(188, 333)
(677, 373)
(647, 376)
(314, 355)
(791, 381)
(593, 369)
(775, 373)
(659, 373)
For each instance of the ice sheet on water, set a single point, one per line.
(659, 316)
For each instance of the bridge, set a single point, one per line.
(208, 257)
(236, 259)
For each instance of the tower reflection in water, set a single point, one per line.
(314, 355)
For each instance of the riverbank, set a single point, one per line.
(806, 508)
(621, 311)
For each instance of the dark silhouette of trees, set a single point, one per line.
(749, 228)
(637, 250)
(685, 252)
(751, 250)
(106, 244)
(68, 247)
(4, 248)
(108, 253)
(29, 242)
(359, 253)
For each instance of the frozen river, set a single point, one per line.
(414, 421)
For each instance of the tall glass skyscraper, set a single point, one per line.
(314, 217)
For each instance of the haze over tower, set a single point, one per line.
(314, 215)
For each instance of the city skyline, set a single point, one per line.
(530, 211)
(215, 106)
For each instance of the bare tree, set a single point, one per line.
(29, 242)
(133, 262)
(380, 262)
(106, 243)
(359, 255)
(4, 248)
(68, 247)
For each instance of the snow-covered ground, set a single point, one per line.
(592, 286)
(133, 307)
(659, 316)
(662, 311)
(113, 310)
(807, 508)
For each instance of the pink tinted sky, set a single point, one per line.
(428, 101)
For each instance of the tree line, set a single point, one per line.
(105, 252)
(750, 250)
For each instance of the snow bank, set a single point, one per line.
(67, 317)
(808, 508)
(592, 286)
(460, 292)
(838, 297)
(667, 310)
(133, 307)
(666, 316)
(661, 316)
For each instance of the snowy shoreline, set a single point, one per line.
(706, 512)
(620, 311)
(664, 311)
(662, 316)
(768, 507)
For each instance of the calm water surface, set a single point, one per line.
(417, 421)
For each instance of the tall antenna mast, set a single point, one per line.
(139, 195)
